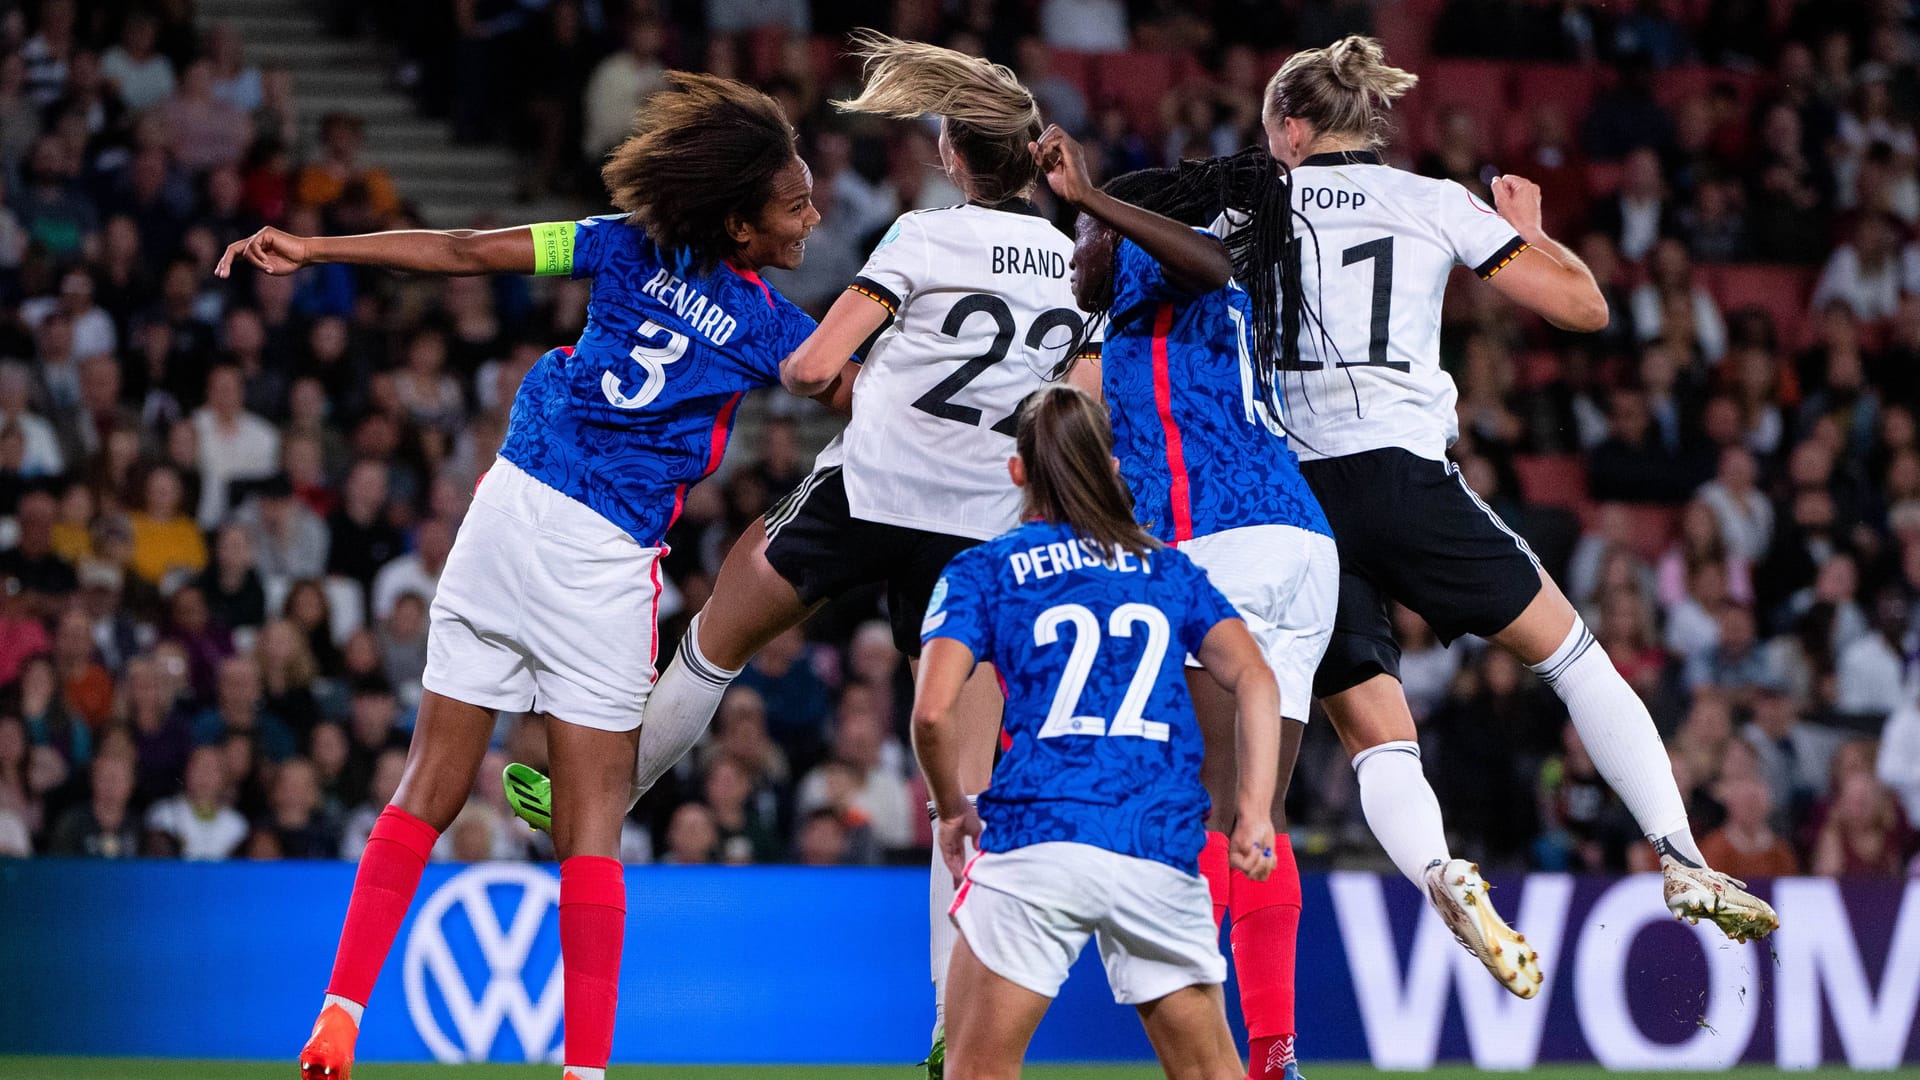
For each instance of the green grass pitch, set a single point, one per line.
(25, 1068)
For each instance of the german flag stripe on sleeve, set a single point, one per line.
(1498, 260)
(877, 293)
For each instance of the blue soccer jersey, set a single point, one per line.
(1104, 746)
(642, 407)
(1197, 441)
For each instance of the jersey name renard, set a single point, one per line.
(982, 313)
(1374, 267)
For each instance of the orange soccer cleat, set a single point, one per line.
(328, 1054)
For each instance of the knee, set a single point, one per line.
(433, 793)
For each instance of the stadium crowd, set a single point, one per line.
(224, 505)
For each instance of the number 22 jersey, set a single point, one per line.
(643, 406)
(982, 312)
(1104, 747)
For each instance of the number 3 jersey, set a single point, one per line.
(1374, 266)
(982, 313)
(1197, 440)
(643, 406)
(1104, 748)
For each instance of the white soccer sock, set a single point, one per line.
(1401, 808)
(682, 704)
(582, 1072)
(353, 1008)
(941, 933)
(1620, 737)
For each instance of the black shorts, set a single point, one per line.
(815, 542)
(1409, 529)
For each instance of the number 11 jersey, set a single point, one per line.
(1374, 267)
(982, 312)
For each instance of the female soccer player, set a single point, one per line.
(1092, 825)
(973, 311)
(548, 599)
(1373, 414)
(1188, 369)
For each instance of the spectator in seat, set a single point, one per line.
(1789, 192)
(135, 67)
(238, 708)
(235, 596)
(1865, 274)
(361, 540)
(289, 541)
(44, 580)
(1715, 222)
(235, 445)
(797, 708)
(1627, 118)
(1061, 102)
(748, 833)
(1735, 665)
(859, 744)
(41, 454)
(1640, 213)
(1746, 846)
(1457, 154)
(692, 837)
(103, 827)
(287, 675)
(1744, 514)
(235, 81)
(1094, 26)
(1634, 464)
(403, 646)
(55, 209)
(1863, 834)
(149, 707)
(1872, 669)
(1670, 273)
(297, 815)
(324, 182)
(85, 685)
(388, 767)
(618, 86)
(1697, 543)
(166, 541)
(201, 820)
(1794, 755)
(49, 52)
(1551, 158)
(1897, 764)
(823, 840)
(417, 572)
(208, 132)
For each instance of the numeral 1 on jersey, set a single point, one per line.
(1086, 647)
(1380, 253)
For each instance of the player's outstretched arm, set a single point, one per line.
(1231, 657)
(945, 665)
(1192, 260)
(822, 357)
(453, 252)
(1548, 280)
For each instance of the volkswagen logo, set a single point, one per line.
(529, 1001)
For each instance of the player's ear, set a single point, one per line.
(1017, 470)
(739, 229)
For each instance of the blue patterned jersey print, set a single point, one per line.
(1104, 748)
(642, 407)
(1197, 444)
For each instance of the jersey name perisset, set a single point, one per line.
(703, 316)
(1047, 560)
(1019, 260)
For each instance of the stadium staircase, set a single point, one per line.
(452, 185)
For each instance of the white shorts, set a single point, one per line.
(545, 606)
(1027, 913)
(1285, 582)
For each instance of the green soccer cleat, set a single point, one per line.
(530, 794)
(937, 1057)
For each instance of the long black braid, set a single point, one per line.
(1255, 192)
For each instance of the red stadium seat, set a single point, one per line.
(1482, 87)
(1654, 527)
(1075, 67)
(1552, 479)
(1569, 86)
(1678, 84)
(1782, 291)
(1138, 81)
(1539, 369)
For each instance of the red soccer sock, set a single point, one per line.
(383, 889)
(593, 927)
(1266, 921)
(1214, 867)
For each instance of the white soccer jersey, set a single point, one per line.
(1374, 268)
(982, 313)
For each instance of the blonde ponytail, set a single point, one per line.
(1346, 89)
(990, 115)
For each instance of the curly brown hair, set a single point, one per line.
(704, 151)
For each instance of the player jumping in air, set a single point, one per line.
(549, 598)
(1374, 414)
(1092, 826)
(974, 311)
(1188, 371)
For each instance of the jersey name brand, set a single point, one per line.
(1046, 560)
(706, 318)
(1331, 198)
(1017, 260)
